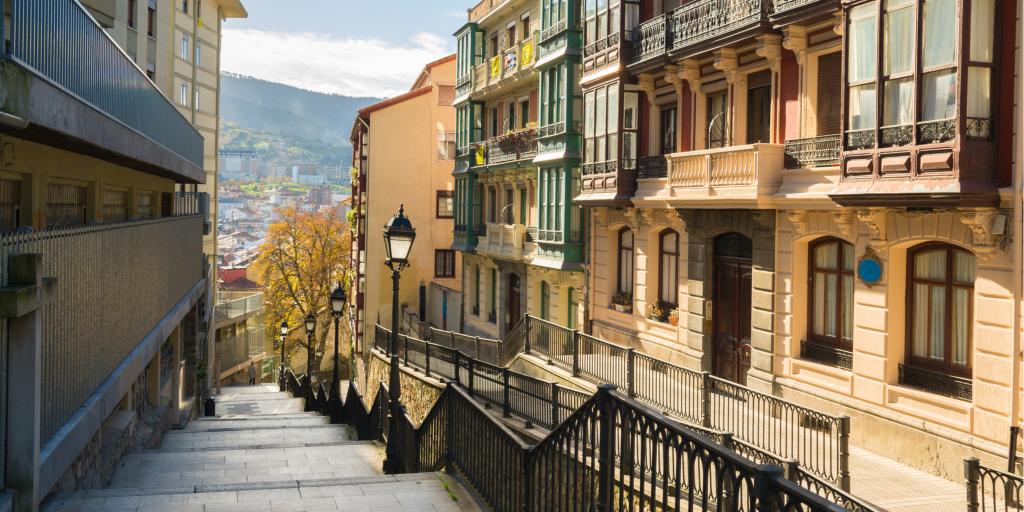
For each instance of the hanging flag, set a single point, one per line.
(527, 54)
(495, 66)
(480, 156)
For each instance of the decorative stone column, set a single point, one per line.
(761, 376)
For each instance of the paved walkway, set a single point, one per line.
(262, 453)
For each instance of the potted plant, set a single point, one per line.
(622, 302)
(654, 312)
(673, 317)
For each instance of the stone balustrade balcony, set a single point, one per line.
(505, 241)
(735, 173)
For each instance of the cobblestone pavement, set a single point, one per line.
(262, 453)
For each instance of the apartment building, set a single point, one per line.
(104, 280)
(403, 152)
(815, 199)
(519, 113)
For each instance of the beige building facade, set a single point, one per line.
(403, 152)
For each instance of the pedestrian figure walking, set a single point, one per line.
(252, 374)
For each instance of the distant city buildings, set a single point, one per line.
(238, 164)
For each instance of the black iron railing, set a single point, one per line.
(812, 152)
(652, 167)
(826, 354)
(818, 440)
(784, 6)
(936, 382)
(651, 39)
(521, 145)
(990, 489)
(700, 21)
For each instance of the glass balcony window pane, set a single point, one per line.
(613, 109)
(930, 265)
(979, 92)
(920, 320)
(862, 43)
(939, 42)
(899, 102)
(826, 256)
(983, 13)
(629, 111)
(938, 99)
(899, 38)
(862, 107)
(601, 114)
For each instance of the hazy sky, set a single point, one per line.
(356, 48)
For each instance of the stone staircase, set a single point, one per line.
(263, 453)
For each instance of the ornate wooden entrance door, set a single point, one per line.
(731, 308)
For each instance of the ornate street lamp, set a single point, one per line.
(337, 307)
(310, 330)
(398, 238)
(284, 332)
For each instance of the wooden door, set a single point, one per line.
(731, 318)
(513, 302)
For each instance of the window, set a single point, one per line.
(199, 54)
(525, 24)
(184, 6)
(494, 44)
(195, 98)
(831, 292)
(145, 209)
(445, 145)
(668, 130)
(625, 262)
(184, 47)
(941, 290)
(183, 95)
(492, 204)
(524, 113)
(133, 8)
(668, 268)
(151, 19)
(573, 304)
(717, 129)
(444, 263)
(830, 85)
(601, 123)
(545, 301)
(476, 291)
(630, 121)
(492, 313)
(445, 208)
(602, 19)
(759, 107)
(918, 81)
(10, 205)
(552, 11)
(115, 206)
(65, 205)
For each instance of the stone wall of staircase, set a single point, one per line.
(418, 394)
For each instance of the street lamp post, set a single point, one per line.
(310, 329)
(337, 306)
(281, 382)
(398, 238)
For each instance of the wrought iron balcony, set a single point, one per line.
(516, 146)
(820, 151)
(826, 354)
(803, 8)
(60, 42)
(936, 382)
(651, 39)
(652, 167)
(701, 21)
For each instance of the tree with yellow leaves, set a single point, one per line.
(303, 259)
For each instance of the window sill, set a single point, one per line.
(827, 355)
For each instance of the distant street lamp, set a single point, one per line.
(337, 306)
(398, 238)
(310, 330)
(284, 332)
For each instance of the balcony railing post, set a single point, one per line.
(527, 320)
(455, 363)
(844, 453)
(764, 476)
(575, 352)
(606, 449)
(554, 405)
(705, 399)
(972, 477)
(405, 350)
(476, 346)
(426, 351)
(631, 372)
(471, 375)
(506, 405)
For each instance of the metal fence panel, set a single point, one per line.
(114, 283)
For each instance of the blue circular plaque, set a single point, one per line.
(869, 270)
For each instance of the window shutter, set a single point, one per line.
(829, 93)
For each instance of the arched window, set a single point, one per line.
(625, 262)
(830, 306)
(545, 301)
(668, 268)
(940, 288)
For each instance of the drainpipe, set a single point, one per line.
(587, 285)
(1018, 258)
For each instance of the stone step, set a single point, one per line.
(158, 469)
(256, 423)
(414, 492)
(248, 437)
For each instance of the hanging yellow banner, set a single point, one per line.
(480, 156)
(526, 55)
(496, 66)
